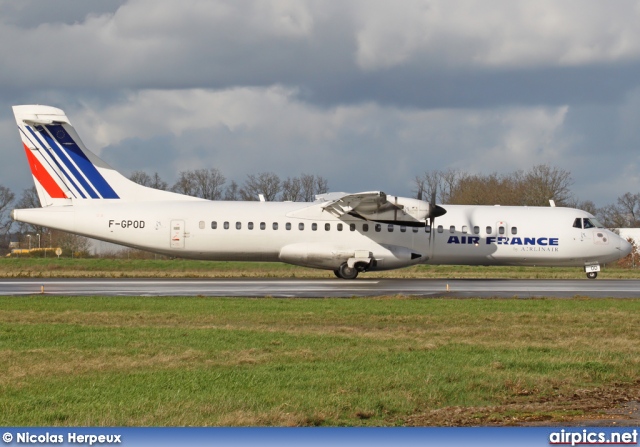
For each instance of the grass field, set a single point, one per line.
(120, 361)
(180, 268)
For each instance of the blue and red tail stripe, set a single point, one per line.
(43, 176)
(71, 161)
(82, 162)
(51, 161)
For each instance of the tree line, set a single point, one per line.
(534, 187)
(210, 184)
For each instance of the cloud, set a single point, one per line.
(504, 33)
(248, 130)
(366, 93)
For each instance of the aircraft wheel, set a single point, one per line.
(337, 273)
(346, 272)
(592, 275)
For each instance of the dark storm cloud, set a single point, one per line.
(31, 13)
(411, 87)
(368, 93)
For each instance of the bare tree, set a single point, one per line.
(29, 199)
(312, 185)
(6, 200)
(441, 183)
(486, 190)
(185, 184)
(265, 183)
(232, 192)
(585, 205)
(151, 181)
(292, 190)
(544, 183)
(158, 183)
(625, 213)
(533, 188)
(629, 207)
(204, 183)
(322, 187)
(611, 217)
(141, 178)
(208, 183)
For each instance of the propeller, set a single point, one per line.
(434, 211)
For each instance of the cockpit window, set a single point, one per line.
(591, 222)
(577, 223)
(596, 222)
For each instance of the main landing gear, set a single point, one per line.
(346, 272)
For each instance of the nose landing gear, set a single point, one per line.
(592, 270)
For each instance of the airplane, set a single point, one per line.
(347, 233)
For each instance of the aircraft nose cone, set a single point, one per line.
(625, 247)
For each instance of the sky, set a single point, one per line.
(366, 93)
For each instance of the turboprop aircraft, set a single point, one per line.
(347, 233)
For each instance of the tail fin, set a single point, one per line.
(64, 170)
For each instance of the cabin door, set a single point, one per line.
(177, 234)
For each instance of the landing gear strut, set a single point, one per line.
(346, 272)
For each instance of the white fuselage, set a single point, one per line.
(306, 234)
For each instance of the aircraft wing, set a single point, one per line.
(376, 206)
(368, 202)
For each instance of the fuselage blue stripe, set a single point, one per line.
(67, 162)
(44, 148)
(82, 162)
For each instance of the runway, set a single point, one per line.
(303, 288)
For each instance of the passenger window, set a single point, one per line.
(314, 226)
(275, 225)
(378, 228)
(403, 229)
(464, 229)
(489, 230)
(201, 224)
(365, 227)
(327, 227)
(476, 230)
(301, 226)
(390, 228)
(287, 225)
(452, 229)
(577, 223)
(250, 225)
(514, 230)
(263, 225)
(339, 227)
(226, 225)
(352, 227)
(238, 225)
(440, 229)
(500, 230)
(214, 225)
